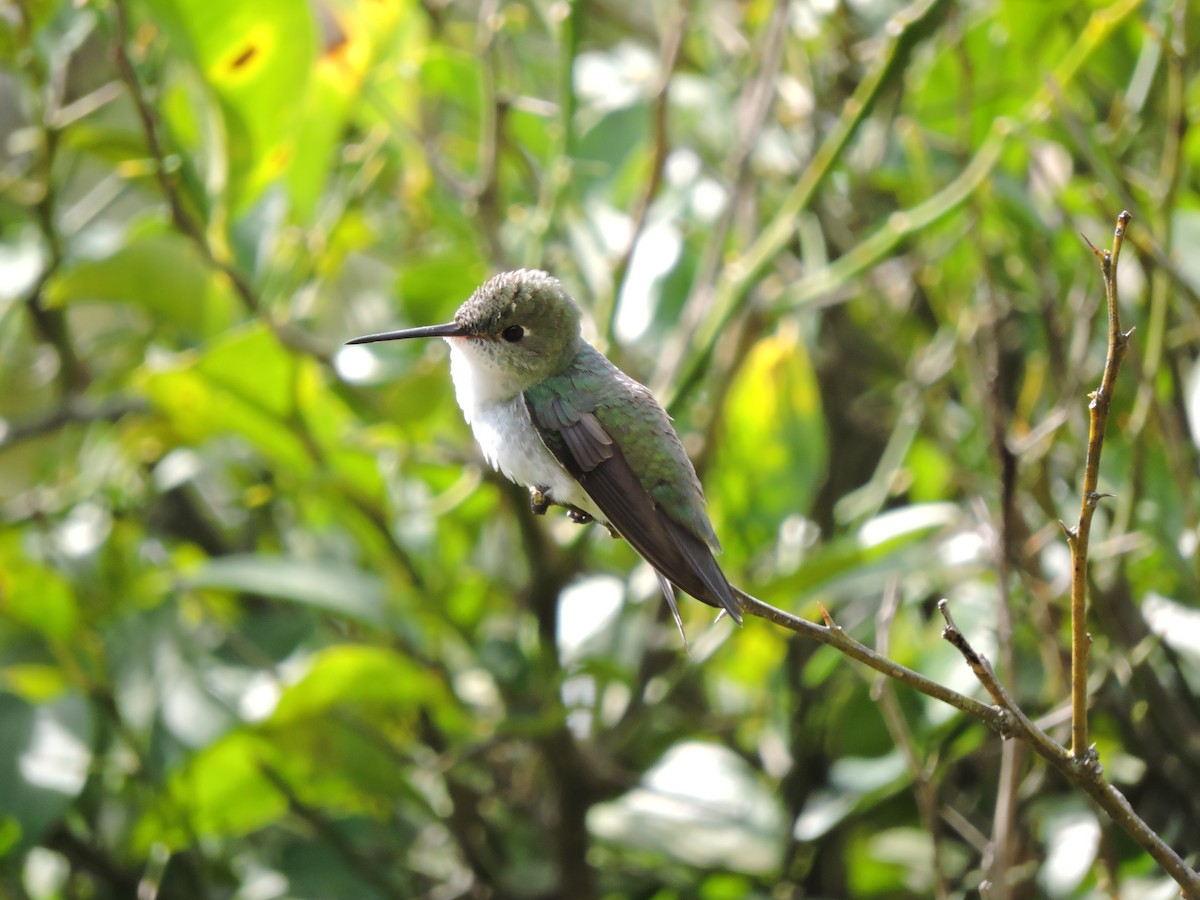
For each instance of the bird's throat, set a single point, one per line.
(479, 380)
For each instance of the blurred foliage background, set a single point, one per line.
(269, 628)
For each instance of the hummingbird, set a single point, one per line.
(553, 414)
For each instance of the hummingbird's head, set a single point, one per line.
(515, 330)
(523, 322)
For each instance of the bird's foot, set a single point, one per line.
(539, 500)
(578, 516)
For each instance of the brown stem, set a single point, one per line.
(831, 634)
(921, 772)
(1005, 718)
(1085, 773)
(669, 57)
(1077, 538)
(181, 217)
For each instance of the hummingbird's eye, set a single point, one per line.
(513, 333)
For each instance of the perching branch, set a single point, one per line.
(1077, 537)
(1078, 764)
(832, 634)
(1086, 774)
(1005, 718)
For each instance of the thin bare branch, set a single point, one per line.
(1118, 345)
(926, 790)
(834, 636)
(669, 57)
(181, 217)
(1086, 774)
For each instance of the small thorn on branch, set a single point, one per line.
(1089, 762)
(982, 670)
(955, 637)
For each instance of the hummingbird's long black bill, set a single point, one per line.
(450, 329)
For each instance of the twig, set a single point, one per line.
(987, 677)
(1077, 537)
(1087, 775)
(71, 412)
(832, 634)
(909, 28)
(181, 218)
(672, 41)
(884, 693)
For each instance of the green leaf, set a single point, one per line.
(162, 273)
(355, 33)
(243, 385)
(771, 454)
(34, 683)
(256, 58)
(368, 679)
(33, 595)
(222, 790)
(334, 587)
(45, 756)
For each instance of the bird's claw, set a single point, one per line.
(578, 516)
(540, 500)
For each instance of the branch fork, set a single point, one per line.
(1080, 763)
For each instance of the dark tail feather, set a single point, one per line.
(668, 590)
(699, 559)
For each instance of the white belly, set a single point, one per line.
(507, 436)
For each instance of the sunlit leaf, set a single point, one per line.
(358, 677)
(34, 595)
(702, 804)
(161, 273)
(771, 453)
(221, 790)
(256, 58)
(45, 755)
(328, 586)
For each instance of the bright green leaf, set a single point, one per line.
(330, 586)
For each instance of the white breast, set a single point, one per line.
(496, 411)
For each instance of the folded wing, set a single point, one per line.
(579, 441)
